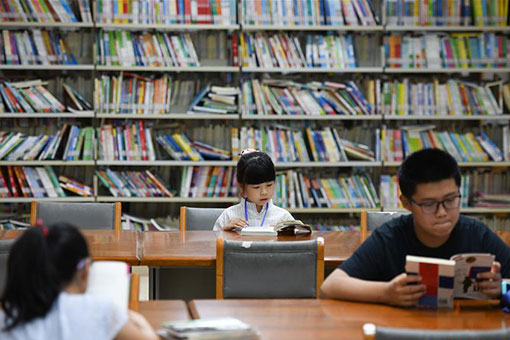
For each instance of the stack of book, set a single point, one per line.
(9, 224)
(41, 11)
(34, 47)
(35, 182)
(447, 13)
(179, 147)
(28, 97)
(215, 99)
(131, 142)
(126, 48)
(297, 190)
(208, 181)
(220, 328)
(79, 103)
(453, 97)
(285, 144)
(133, 93)
(167, 12)
(130, 222)
(70, 143)
(280, 97)
(285, 51)
(133, 183)
(310, 13)
(75, 187)
(456, 50)
(396, 144)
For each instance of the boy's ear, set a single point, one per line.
(406, 203)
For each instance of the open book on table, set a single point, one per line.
(221, 328)
(291, 227)
(112, 279)
(448, 279)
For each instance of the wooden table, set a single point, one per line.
(158, 311)
(329, 319)
(198, 248)
(104, 244)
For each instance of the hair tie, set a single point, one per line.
(45, 231)
(247, 151)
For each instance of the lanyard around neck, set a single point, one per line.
(246, 213)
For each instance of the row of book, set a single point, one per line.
(428, 98)
(396, 144)
(34, 47)
(130, 142)
(309, 12)
(293, 145)
(285, 51)
(126, 48)
(221, 12)
(463, 50)
(70, 143)
(179, 147)
(208, 181)
(447, 12)
(133, 93)
(32, 96)
(281, 97)
(29, 182)
(216, 99)
(133, 183)
(294, 189)
(44, 11)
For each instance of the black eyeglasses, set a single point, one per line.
(431, 207)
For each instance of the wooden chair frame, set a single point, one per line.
(117, 224)
(363, 227)
(182, 218)
(134, 292)
(219, 267)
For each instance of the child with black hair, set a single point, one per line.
(47, 274)
(429, 182)
(256, 180)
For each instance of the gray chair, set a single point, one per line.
(82, 215)
(388, 333)
(371, 220)
(246, 269)
(5, 247)
(198, 218)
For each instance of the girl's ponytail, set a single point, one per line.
(40, 263)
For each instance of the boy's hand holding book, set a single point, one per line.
(489, 283)
(404, 290)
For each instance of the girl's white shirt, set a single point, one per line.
(274, 214)
(73, 317)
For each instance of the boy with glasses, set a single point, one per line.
(429, 181)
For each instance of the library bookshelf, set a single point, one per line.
(375, 67)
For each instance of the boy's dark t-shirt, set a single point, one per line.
(383, 255)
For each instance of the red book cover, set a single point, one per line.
(235, 50)
(23, 184)
(187, 11)
(429, 273)
(463, 97)
(143, 142)
(3, 185)
(52, 10)
(204, 12)
(12, 180)
(4, 9)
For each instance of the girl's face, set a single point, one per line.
(259, 194)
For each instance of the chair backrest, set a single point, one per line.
(371, 220)
(246, 269)
(82, 215)
(386, 333)
(5, 247)
(198, 218)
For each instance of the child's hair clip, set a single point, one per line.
(39, 223)
(247, 151)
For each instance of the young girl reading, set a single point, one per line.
(47, 274)
(256, 180)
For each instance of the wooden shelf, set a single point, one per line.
(329, 210)
(306, 117)
(448, 117)
(47, 163)
(169, 199)
(47, 67)
(22, 24)
(175, 116)
(312, 70)
(447, 70)
(47, 115)
(322, 28)
(392, 28)
(46, 199)
(170, 27)
(462, 164)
